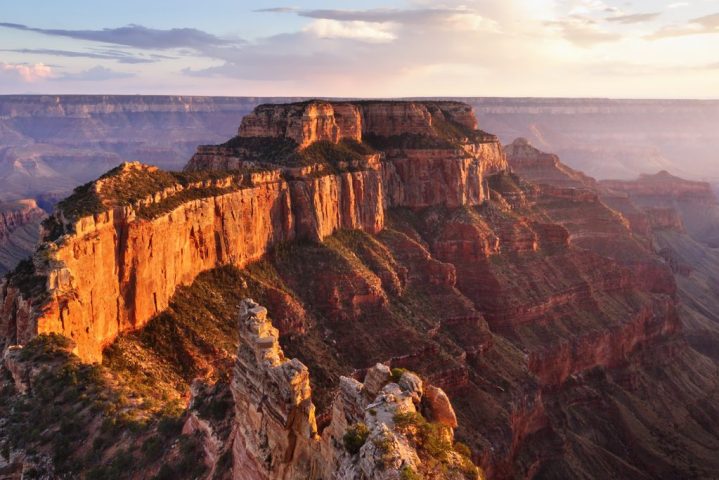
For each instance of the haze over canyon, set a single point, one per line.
(375, 289)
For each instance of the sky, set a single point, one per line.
(368, 48)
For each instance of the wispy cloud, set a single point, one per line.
(27, 72)
(276, 10)
(95, 74)
(356, 30)
(707, 24)
(635, 18)
(136, 36)
(583, 31)
(383, 15)
(118, 56)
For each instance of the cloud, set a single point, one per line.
(381, 15)
(135, 36)
(583, 31)
(356, 30)
(366, 50)
(635, 18)
(27, 72)
(708, 21)
(119, 56)
(95, 74)
(707, 24)
(584, 7)
(276, 10)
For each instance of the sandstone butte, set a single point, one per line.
(501, 276)
(115, 252)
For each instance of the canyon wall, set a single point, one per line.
(113, 270)
(116, 271)
(543, 314)
(52, 144)
(275, 430)
(19, 231)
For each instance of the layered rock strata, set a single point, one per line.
(19, 230)
(532, 305)
(275, 430)
(118, 248)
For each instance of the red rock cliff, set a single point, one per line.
(113, 262)
(117, 268)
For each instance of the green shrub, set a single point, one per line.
(355, 436)
(429, 437)
(396, 374)
(462, 449)
(408, 473)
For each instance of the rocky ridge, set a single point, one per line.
(276, 435)
(110, 227)
(545, 319)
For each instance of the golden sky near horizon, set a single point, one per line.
(578, 48)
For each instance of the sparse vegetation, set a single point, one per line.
(331, 154)
(128, 185)
(26, 279)
(433, 442)
(396, 374)
(82, 418)
(409, 141)
(408, 473)
(355, 436)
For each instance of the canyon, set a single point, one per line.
(19, 231)
(51, 144)
(519, 312)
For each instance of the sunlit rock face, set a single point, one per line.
(112, 266)
(536, 318)
(275, 434)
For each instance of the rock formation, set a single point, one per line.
(275, 430)
(142, 232)
(538, 321)
(19, 231)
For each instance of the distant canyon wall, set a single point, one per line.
(50, 144)
(19, 231)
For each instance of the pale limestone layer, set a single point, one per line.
(305, 123)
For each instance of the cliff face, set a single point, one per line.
(117, 268)
(668, 201)
(275, 434)
(304, 123)
(19, 230)
(114, 269)
(544, 168)
(536, 313)
(665, 185)
(681, 218)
